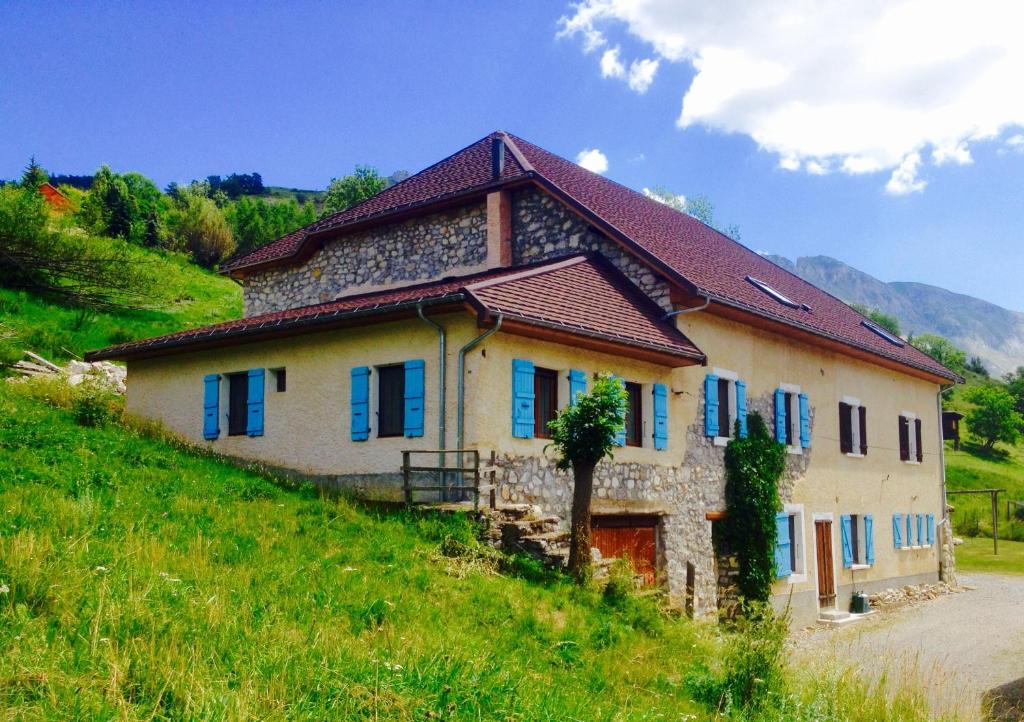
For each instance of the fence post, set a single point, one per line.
(995, 522)
(406, 481)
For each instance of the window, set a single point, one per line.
(910, 438)
(913, 531)
(391, 400)
(280, 379)
(238, 404)
(545, 407)
(785, 301)
(853, 427)
(725, 405)
(858, 540)
(634, 415)
(789, 543)
(875, 328)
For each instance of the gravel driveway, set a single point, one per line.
(962, 646)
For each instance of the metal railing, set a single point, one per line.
(461, 478)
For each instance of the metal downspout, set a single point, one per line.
(441, 386)
(461, 412)
(942, 468)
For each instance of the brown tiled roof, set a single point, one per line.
(580, 296)
(694, 255)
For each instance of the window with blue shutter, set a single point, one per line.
(897, 531)
(660, 393)
(846, 530)
(711, 405)
(931, 529)
(577, 384)
(780, 416)
(414, 392)
(211, 406)
(920, 529)
(254, 404)
(869, 538)
(620, 436)
(360, 403)
(805, 422)
(910, 530)
(741, 408)
(522, 399)
(783, 546)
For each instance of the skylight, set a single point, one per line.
(784, 300)
(872, 326)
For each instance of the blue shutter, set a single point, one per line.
(660, 393)
(897, 531)
(711, 405)
(910, 530)
(211, 406)
(413, 398)
(577, 384)
(741, 408)
(931, 529)
(254, 419)
(780, 416)
(869, 538)
(360, 401)
(847, 535)
(522, 399)
(920, 529)
(620, 436)
(783, 546)
(805, 422)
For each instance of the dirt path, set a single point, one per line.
(961, 646)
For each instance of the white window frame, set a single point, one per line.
(911, 418)
(796, 512)
(732, 377)
(647, 415)
(855, 405)
(861, 552)
(794, 418)
(562, 389)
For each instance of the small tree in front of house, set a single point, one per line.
(753, 466)
(584, 434)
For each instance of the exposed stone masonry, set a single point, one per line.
(544, 228)
(417, 250)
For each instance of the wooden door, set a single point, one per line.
(826, 573)
(625, 536)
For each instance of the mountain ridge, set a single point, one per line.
(981, 328)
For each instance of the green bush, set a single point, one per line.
(752, 673)
(93, 405)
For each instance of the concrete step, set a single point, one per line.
(832, 615)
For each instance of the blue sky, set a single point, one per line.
(302, 92)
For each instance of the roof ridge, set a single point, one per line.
(541, 268)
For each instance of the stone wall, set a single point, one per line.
(543, 227)
(417, 250)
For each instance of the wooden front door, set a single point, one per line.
(628, 536)
(826, 573)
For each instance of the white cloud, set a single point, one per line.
(611, 66)
(1016, 142)
(593, 160)
(641, 74)
(669, 200)
(853, 87)
(816, 167)
(904, 179)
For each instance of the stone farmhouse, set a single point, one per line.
(463, 306)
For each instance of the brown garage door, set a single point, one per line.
(628, 536)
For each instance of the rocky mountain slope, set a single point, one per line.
(981, 328)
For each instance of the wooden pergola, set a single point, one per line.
(994, 494)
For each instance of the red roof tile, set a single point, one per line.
(580, 295)
(687, 250)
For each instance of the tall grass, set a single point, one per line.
(140, 581)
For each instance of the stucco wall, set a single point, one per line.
(417, 250)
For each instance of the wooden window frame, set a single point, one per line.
(388, 428)
(541, 414)
(238, 395)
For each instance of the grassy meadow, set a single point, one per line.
(140, 579)
(185, 296)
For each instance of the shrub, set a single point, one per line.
(994, 417)
(752, 673)
(199, 227)
(93, 405)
